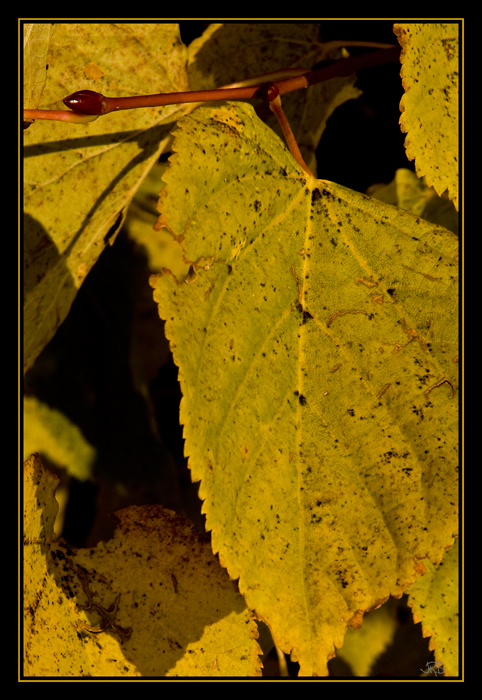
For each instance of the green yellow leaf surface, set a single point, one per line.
(50, 432)
(317, 344)
(79, 179)
(407, 191)
(430, 105)
(152, 601)
(36, 38)
(363, 646)
(228, 53)
(434, 599)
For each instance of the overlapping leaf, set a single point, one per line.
(363, 646)
(407, 191)
(50, 432)
(152, 601)
(227, 53)
(36, 38)
(434, 600)
(430, 105)
(80, 178)
(317, 345)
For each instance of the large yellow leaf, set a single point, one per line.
(317, 341)
(430, 105)
(79, 179)
(152, 601)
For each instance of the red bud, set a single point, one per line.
(85, 102)
(268, 92)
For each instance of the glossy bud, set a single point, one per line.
(272, 91)
(85, 102)
(268, 92)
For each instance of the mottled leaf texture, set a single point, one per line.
(430, 105)
(152, 601)
(316, 338)
(36, 38)
(434, 600)
(79, 179)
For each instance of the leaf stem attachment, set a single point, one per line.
(271, 90)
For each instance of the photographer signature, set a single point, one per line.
(434, 667)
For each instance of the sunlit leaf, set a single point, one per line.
(79, 179)
(152, 601)
(430, 104)
(317, 344)
(159, 246)
(434, 599)
(36, 38)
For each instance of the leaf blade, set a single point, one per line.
(152, 601)
(308, 369)
(434, 600)
(430, 105)
(36, 39)
(80, 179)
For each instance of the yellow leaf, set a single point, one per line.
(36, 39)
(363, 646)
(434, 599)
(51, 433)
(407, 191)
(152, 601)
(430, 105)
(79, 179)
(318, 378)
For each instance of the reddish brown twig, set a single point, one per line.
(273, 97)
(95, 104)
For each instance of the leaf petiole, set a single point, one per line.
(272, 93)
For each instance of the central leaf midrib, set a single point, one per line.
(302, 335)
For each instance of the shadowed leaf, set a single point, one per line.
(227, 53)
